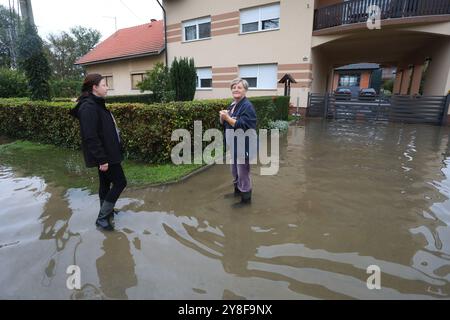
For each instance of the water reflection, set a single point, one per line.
(347, 196)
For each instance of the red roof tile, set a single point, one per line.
(140, 40)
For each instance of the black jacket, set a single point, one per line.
(100, 140)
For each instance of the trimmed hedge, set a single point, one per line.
(65, 88)
(146, 129)
(138, 98)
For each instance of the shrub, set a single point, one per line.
(137, 98)
(183, 79)
(146, 129)
(65, 88)
(34, 62)
(158, 82)
(12, 84)
(281, 125)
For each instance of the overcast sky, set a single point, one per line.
(55, 16)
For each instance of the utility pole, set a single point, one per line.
(12, 33)
(26, 11)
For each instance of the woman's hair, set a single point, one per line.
(237, 81)
(89, 82)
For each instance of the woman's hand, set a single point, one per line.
(224, 115)
(104, 167)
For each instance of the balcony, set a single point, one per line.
(355, 11)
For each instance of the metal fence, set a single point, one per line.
(398, 108)
(355, 11)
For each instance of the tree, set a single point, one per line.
(157, 80)
(183, 79)
(9, 25)
(12, 83)
(33, 62)
(65, 48)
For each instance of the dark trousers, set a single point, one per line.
(114, 176)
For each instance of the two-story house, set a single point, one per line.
(262, 40)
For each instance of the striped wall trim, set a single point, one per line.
(228, 23)
(221, 85)
(225, 16)
(175, 26)
(295, 67)
(174, 39)
(222, 70)
(174, 33)
(297, 85)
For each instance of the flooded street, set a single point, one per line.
(347, 196)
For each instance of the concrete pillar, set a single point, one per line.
(406, 81)
(416, 79)
(398, 82)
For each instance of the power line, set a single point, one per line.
(132, 12)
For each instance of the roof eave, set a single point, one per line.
(134, 56)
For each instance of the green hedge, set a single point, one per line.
(138, 98)
(146, 129)
(65, 88)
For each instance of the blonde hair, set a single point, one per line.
(237, 81)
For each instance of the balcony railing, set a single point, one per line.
(355, 11)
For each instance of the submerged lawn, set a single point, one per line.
(66, 167)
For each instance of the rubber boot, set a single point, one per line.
(104, 219)
(236, 193)
(246, 199)
(115, 211)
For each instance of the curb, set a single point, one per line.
(165, 184)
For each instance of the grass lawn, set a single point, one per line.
(66, 167)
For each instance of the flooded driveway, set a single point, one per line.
(347, 196)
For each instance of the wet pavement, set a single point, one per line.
(347, 196)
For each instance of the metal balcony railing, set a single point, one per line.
(356, 11)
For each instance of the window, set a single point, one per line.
(262, 76)
(109, 82)
(349, 80)
(197, 29)
(136, 78)
(204, 78)
(261, 18)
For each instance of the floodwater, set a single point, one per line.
(347, 196)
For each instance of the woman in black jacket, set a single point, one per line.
(101, 144)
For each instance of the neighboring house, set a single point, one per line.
(358, 76)
(126, 56)
(262, 40)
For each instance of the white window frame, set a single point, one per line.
(258, 11)
(204, 73)
(258, 72)
(196, 23)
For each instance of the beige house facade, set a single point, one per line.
(123, 75)
(262, 40)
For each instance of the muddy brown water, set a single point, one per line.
(347, 196)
